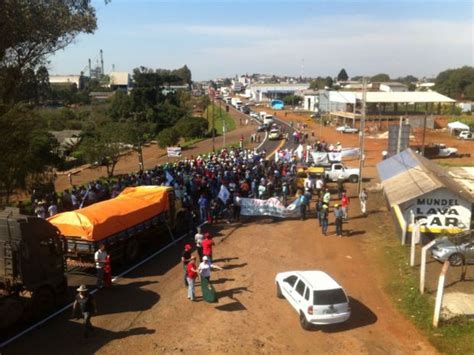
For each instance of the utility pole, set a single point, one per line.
(213, 130)
(399, 143)
(223, 122)
(362, 133)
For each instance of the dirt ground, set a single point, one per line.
(148, 312)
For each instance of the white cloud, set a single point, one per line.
(365, 46)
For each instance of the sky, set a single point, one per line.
(282, 37)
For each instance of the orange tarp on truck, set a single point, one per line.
(103, 219)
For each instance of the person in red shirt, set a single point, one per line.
(107, 272)
(207, 244)
(191, 275)
(345, 205)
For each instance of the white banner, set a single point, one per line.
(173, 152)
(271, 207)
(350, 152)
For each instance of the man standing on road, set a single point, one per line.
(319, 186)
(185, 258)
(207, 244)
(203, 207)
(198, 238)
(338, 214)
(302, 201)
(191, 275)
(345, 205)
(324, 219)
(86, 303)
(100, 257)
(363, 202)
(327, 197)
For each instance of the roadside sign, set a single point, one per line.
(173, 152)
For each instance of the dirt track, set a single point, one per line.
(148, 311)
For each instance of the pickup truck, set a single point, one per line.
(336, 170)
(439, 150)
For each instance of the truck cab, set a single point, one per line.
(338, 170)
(32, 267)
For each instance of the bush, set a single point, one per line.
(168, 137)
(192, 127)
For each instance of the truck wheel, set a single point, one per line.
(354, 178)
(43, 302)
(61, 292)
(304, 322)
(132, 249)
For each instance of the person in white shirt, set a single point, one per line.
(100, 257)
(198, 239)
(205, 268)
(319, 186)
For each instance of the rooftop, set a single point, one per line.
(408, 175)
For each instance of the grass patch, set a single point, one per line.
(220, 116)
(402, 283)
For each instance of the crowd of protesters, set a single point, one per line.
(197, 182)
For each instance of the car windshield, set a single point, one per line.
(327, 297)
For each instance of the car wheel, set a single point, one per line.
(304, 322)
(354, 178)
(279, 293)
(456, 259)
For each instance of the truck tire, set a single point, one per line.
(43, 302)
(457, 259)
(132, 250)
(354, 178)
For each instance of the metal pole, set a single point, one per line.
(400, 135)
(213, 130)
(362, 133)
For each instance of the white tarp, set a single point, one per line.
(350, 152)
(326, 157)
(271, 207)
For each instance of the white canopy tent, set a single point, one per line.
(457, 127)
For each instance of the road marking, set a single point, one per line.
(283, 141)
(114, 279)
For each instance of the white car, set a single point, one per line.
(254, 115)
(316, 296)
(346, 129)
(274, 134)
(467, 135)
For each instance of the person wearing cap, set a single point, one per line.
(339, 215)
(205, 268)
(185, 258)
(191, 276)
(327, 197)
(324, 219)
(207, 244)
(85, 302)
(363, 201)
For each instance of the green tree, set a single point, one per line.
(342, 76)
(121, 105)
(26, 149)
(469, 92)
(380, 78)
(105, 145)
(192, 127)
(292, 100)
(455, 83)
(168, 137)
(328, 82)
(44, 88)
(32, 30)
